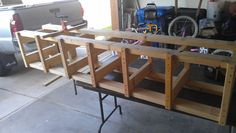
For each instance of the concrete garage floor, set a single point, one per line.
(28, 107)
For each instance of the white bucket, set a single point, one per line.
(213, 10)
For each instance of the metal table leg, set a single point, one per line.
(116, 106)
(74, 82)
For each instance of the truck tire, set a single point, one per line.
(4, 71)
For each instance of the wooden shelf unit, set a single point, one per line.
(93, 67)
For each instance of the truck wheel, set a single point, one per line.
(3, 71)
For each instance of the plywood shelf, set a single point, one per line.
(37, 65)
(197, 109)
(150, 96)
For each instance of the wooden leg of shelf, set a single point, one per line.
(62, 47)
(22, 49)
(125, 71)
(90, 52)
(227, 92)
(168, 81)
(41, 54)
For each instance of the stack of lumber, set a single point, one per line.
(57, 53)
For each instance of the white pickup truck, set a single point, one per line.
(31, 17)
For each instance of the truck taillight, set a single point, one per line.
(16, 24)
(82, 10)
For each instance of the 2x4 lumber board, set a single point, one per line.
(131, 70)
(115, 14)
(47, 83)
(41, 54)
(96, 52)
(22, 49)
(85, 70)
(142, 50)
(57, 71)
(189, 57)
(187, 41)
(181, 80)
(197, 109)
(71, 54)
(140, 74)
(31, 34)
(53, 60)
(116, 34)
(87, 36)
(37, 65)
(77, 64)
(203, 59)
(150, 96)
(133, 57)
(125, 70)
(159, 77)
(212, 60)
(103, 55)
(81, 41)
(112, 85)
(101, 59)
(106, 68)
(90, 52)
(206, 87)
(227, 93)
(77, 27)
(82, 78)
(62, 47)
(50, 50)
(32, 57)
(182, 48)
(53, 34)
(191, 84)
(107, 84)
(25, 40)
(53, 27)
(168, 81)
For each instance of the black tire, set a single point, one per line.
(3, 71)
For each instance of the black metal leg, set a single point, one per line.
(231, 128)
(116, 105)
(75, 87)
(101, 106)
(102, 111)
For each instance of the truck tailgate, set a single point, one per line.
(33, 17)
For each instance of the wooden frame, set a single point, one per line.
(99, 62)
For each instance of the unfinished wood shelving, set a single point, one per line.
(58, 52)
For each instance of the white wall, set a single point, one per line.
(97, 12)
